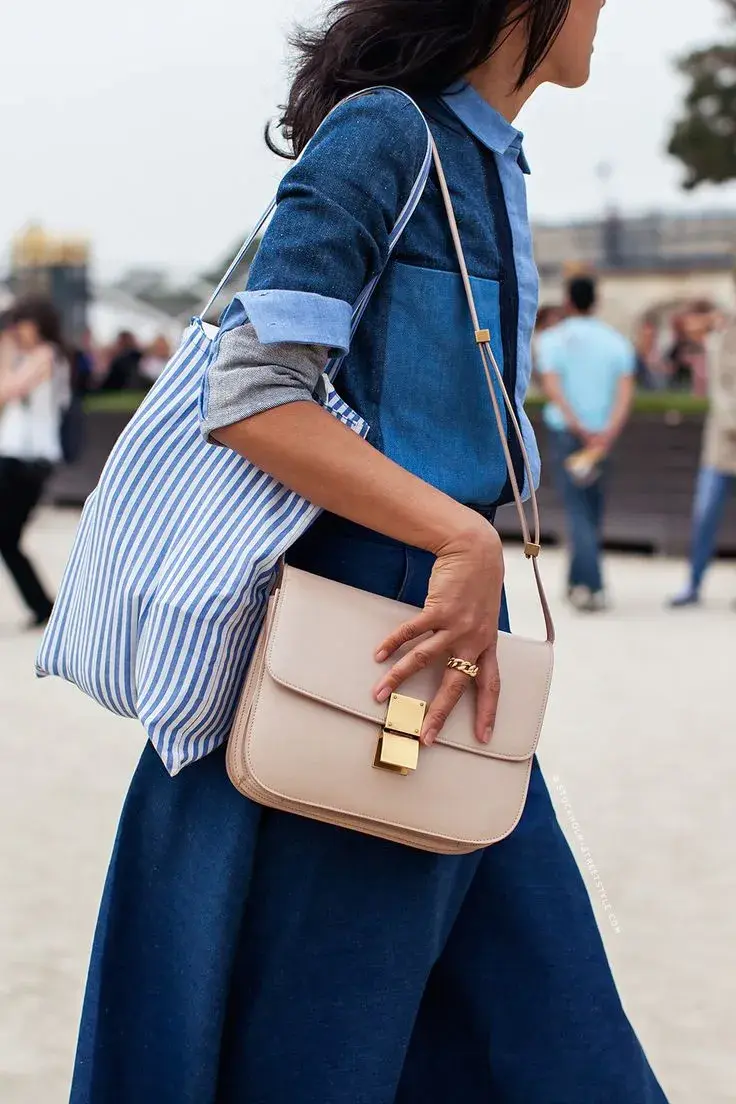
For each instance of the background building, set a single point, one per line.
(645, 264)
(55, 267)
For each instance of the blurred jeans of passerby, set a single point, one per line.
(718, 469)
(587, 371)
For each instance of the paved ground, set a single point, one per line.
(639, 752)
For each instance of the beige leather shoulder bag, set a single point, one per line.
(309, 738)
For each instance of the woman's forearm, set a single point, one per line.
(308, 450)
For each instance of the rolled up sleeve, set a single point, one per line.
(328, 239)
(301, 317)
(248, 377)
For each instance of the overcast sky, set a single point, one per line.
(139, 125)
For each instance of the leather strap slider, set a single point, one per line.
(483, 337)
(531, 551)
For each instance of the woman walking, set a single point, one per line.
(248, 955)
(34, 384)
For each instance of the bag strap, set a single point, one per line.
(401, 223)
(532, 544)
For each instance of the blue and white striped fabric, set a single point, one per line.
(165, 590)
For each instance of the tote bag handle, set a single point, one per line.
(401, 223)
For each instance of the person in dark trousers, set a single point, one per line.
(587, 372)
(34, 386)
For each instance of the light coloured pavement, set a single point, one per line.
(638, 750)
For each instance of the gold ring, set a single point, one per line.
(472, 670)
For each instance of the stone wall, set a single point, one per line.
(627, 295)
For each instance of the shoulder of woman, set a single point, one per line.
(381, 130)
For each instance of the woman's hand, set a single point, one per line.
(461, 613)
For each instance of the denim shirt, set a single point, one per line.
(412, 371)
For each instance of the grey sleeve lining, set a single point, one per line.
(247, 377)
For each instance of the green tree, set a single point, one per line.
(704, 139)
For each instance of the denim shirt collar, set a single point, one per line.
(487, 124)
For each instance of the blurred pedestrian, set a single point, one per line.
(34, 390)
(688, 356)
(125, 360)
(587, 372)
(548, 315)
(718, 468)
(82, 360)
(652, 371)
(154, 360)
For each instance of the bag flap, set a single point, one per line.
(323, 639)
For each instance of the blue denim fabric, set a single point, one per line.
(244, 955)
(507, 144)
(329, 237)
(409, 398)
(584, 509)
(711, 495)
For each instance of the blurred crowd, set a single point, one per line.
(588, 374)
(124, 365)
(43, 381)
(673, 346)
(586, 371)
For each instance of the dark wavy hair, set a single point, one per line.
(419, 46)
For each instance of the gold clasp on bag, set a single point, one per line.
(398, 744)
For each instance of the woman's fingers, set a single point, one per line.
(405, 633)
(427, 652)
(454, 685)
(435, 649)
(489, 690)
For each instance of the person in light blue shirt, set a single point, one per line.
(587, 370)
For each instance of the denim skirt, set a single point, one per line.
(246, 956)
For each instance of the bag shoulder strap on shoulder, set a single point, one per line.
(401, 223)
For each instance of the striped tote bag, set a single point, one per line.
(166, 586)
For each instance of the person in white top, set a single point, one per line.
(34, 382)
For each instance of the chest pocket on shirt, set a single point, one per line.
(436, 414)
